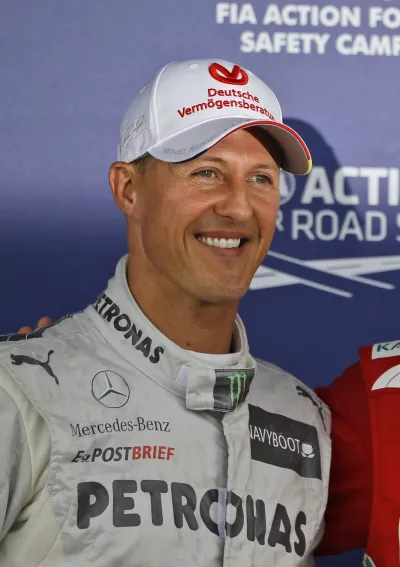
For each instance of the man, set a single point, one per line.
(126, 444)
(364, 502)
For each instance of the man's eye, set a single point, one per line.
(205, 173)
(261, 178)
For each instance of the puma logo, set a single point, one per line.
(18, 359)
(302, 392)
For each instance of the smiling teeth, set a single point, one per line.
(220, 242)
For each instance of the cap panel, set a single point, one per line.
(188, 94)
(153, 103)
(137, 128)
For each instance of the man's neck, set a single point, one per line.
(189, 323)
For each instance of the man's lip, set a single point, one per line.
(224, 234)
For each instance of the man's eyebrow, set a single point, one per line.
(211, 158)
(260, 165)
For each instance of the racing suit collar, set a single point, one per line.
(120, 321)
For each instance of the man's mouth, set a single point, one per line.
(221, 242)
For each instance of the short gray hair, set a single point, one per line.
(143, 162)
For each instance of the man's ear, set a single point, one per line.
(123, 178)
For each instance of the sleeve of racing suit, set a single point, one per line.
(350, 487)
(16, 478)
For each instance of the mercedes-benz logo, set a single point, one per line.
(110, 389)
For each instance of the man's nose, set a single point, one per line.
(234, 202)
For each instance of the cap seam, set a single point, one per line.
(153, 105)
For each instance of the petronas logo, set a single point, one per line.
(237, 387)
(368, 562)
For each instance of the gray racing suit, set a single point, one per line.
(118, 448)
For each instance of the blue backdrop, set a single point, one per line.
(68, 71)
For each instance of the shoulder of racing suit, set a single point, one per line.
(25, 439)
(24, 453)
(67, 325)
(290, 387)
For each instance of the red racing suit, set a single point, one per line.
(364, 496)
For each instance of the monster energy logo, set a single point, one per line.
(231, 387)
(237, 387)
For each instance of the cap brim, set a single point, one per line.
(201, 137)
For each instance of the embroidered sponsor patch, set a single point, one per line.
(286, 443)
(231, 387)
(386, 350)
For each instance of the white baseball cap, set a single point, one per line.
(191, 105)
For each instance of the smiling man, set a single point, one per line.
(141, 431)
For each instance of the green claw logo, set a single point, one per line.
(237, 387)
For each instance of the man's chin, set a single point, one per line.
(223, 294)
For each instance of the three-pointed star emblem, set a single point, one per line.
(110, 389)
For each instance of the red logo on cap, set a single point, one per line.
(237, 76)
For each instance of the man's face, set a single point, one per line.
(206, 225)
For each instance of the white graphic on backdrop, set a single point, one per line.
(352, 269)
(287, 186)
(331, 211)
